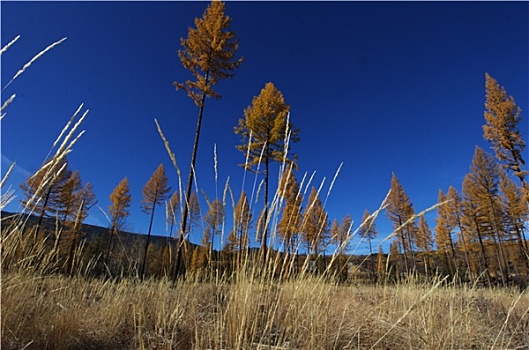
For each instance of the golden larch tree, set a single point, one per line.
(400, 211)
(172, 209)
(516, 214)
(443, 232)
(289, 226)
(471, 220)
(214, 220)
(208, 53)
(86, 199)
(118, 210)
(367, 229)
(68, 201)
(239, 238)
(485, 175)
(425, 243)
(424, 236)
(154, 192)
(266, 134)
(502, 117)
(66, 208)
(42, 190)
(315, 224)
(454, 208)
(341, 236)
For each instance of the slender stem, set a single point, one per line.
(189, 186)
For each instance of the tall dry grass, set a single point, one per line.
(56, 312)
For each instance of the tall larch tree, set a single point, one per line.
(424, 241)
(239, 238)
(205, 249)
(485, 173)
(400, 211)
(266, 135)
(367, 229)
(154, 192)
(214, 220)
(443, 232)
(85, 199)
(172, 209)
(118, 210)
(208, 53)
(315, 225)
(42, 190)
(454, 208)
(289, 226)
(341, 236)
(516, 214)
(335, 230)
(68, 201)
(66, 208)
(502, 117)
(194, 212)
(473, 221)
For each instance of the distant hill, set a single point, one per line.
(90, 232)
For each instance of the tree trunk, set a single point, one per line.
(142, 273)
(41, 216)
(178, 258)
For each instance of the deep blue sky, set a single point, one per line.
(382, 87)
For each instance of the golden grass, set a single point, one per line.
(56, 312)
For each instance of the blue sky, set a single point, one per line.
(381, 86)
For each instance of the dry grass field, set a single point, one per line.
(56, 312)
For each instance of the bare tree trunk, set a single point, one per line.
(178, 258)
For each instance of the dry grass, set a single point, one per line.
(57, 312)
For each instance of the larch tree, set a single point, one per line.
(118, 210)
(239, 239)
(443, 232)
(340, 235)
(315, 225)
(424, 240)
(516, 213)
(154, 192)
(243, 222)
(231, 244)
(42, 190)
(68, 201)
(424, 236)
(194, 212)
(289, 226)
(335, 230)
(172, 211)
(266, 134)
(485, 175)
(454, 208)
(67, 206)
(502, 117)
(367, 229)
(204, 251)
(381, 265)
(473, 220)
(86, 199)
(214, 219)
(400, 211)
(208, 53)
